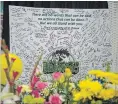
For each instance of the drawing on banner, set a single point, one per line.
(77, 38)
(59, 60)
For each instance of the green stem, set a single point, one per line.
(6, 51)
(58, 87)
(67, 102)
(11, 89)
(36, 64)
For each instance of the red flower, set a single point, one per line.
(13, 59)
(35, 93)
(19, 88)
(15, 74)
(34, 80)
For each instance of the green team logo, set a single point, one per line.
(59, 60)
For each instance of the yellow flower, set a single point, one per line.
(84, 83)
(17, 65)
(83, 94)
(107, 94)
(74, 91)
(97, 73)
(45, 92)
(27, 98)
(77, 96)
(113, 78)
(94, 72)
(26, 88)
(91, 86)
(68, 72)
(110, 76)
(39, 100)
(95, 87)
(61, 79)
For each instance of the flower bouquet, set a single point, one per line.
(98, 87)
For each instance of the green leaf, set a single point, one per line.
(93, 102)
(99, 102)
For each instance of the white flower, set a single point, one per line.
(62, 98)
(8, 101)
(16, 98)
(9, 98)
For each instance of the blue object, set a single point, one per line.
(1, 7)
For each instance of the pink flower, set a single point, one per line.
(15, 74)
(56, 75)
(37, 72)
(41, 85)
(36, 93)
(35, 79)
(55, 99)
(19, 88)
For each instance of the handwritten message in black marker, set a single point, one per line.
(67, 36)
(61, 21)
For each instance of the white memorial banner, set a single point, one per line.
(63, 35)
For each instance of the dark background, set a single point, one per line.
(47, 4)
